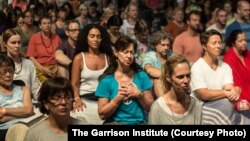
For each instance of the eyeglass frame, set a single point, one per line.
(74, 30)
(28, 16)
(3, 71)
(58, 100)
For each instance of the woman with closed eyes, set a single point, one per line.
(124, 90)
(15, 100)
(93, 54)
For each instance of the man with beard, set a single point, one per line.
(153, 60)
(220, 23)
(188, 42)
(242, 20)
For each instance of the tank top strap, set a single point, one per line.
(83, 60)
(106, 61)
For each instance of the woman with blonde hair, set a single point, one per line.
(129, 17)
(107, 13)
(83, 19)
(176, 106)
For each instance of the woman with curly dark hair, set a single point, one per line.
(93, 53)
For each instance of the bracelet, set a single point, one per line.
(77, 98)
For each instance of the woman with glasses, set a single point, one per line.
(55, 98)
(26, 30)
(15, 101)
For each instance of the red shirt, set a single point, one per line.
(43, 49)
(241, 73)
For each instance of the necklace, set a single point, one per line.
(173, 114)
(21, 66)
(46, 47)
(170, 107)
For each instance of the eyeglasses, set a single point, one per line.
(3, 71)
(74, 30)
(28, 16)
(58, 99)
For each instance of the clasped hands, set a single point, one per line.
(233, 93)
(129, 91)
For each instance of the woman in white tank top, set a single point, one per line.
(93, 50)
